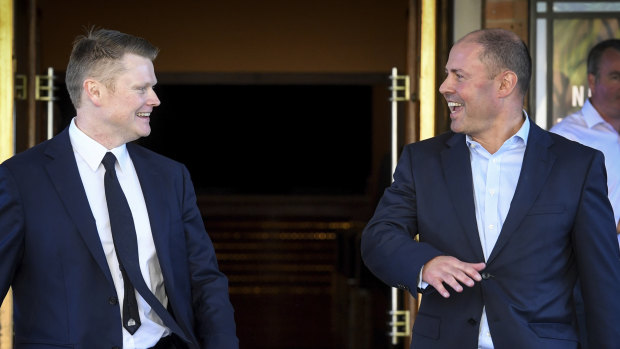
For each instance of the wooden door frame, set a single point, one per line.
(6, 138)
(428, 43)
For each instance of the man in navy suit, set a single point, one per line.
(57, 249)
(508, 218)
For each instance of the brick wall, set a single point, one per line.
(508, 14)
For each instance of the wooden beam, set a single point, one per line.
(6, 138)
(412, 128)
(6, 79)
(427, 90)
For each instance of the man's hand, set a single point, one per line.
(453, 272)
(618, 228)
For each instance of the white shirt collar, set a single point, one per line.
(92, 151)
(591, 115)
(523, 133)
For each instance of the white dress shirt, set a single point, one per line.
(88, 155)
(588, 127)
(495, 178)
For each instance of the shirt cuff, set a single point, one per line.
(422, 284)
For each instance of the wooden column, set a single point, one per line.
(428, 52)
(412, 124)
(6, 138)
(412, 120)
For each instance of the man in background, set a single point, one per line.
(101, 239)
(597, 125)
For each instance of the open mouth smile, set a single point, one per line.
(454, 106)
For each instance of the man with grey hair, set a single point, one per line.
(597, 125)
(101, 239)
(507, 217)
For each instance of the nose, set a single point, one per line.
(153, 99)
(445, 86)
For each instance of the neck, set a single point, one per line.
(613, 120)
(495, 137)
(96, 133)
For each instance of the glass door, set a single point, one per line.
(562, 34)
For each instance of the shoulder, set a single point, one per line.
(560, 140)
(139, 151)
(570, 149)
(431, 152)
(145, 159)
(571, 126)
(34, 156)
(548, 145)
(437, 143)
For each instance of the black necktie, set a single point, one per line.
(124, 237)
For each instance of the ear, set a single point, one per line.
(591, 82)
(507, 83)
(93, 90)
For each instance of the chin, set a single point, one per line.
(144, 133)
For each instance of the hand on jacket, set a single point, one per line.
(451, 271)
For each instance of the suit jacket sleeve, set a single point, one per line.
(11, 230)
(388, 245)
(598, 256)
(214, 318)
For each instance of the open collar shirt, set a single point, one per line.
(588, 127)
(495, 178)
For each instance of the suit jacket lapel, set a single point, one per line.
(65, 176)
(153, 186)
(537, 164)
(457, 171)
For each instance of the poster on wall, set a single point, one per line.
(572, 40)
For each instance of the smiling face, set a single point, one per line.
(124, 109)
(606, 86)
(470, 93)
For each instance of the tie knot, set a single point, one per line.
(108, 161)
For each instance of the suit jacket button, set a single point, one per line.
(486, 276)
(115, 347)
(113, 300)
(472, 321)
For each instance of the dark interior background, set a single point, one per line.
(263, 139)
(307, 140)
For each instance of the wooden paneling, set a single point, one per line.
(6, 136)
(295, 271)
(240, 35)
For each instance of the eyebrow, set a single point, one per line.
(146, 84)
(456, 70)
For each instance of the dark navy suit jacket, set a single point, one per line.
(559, 229)
(50, 253)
